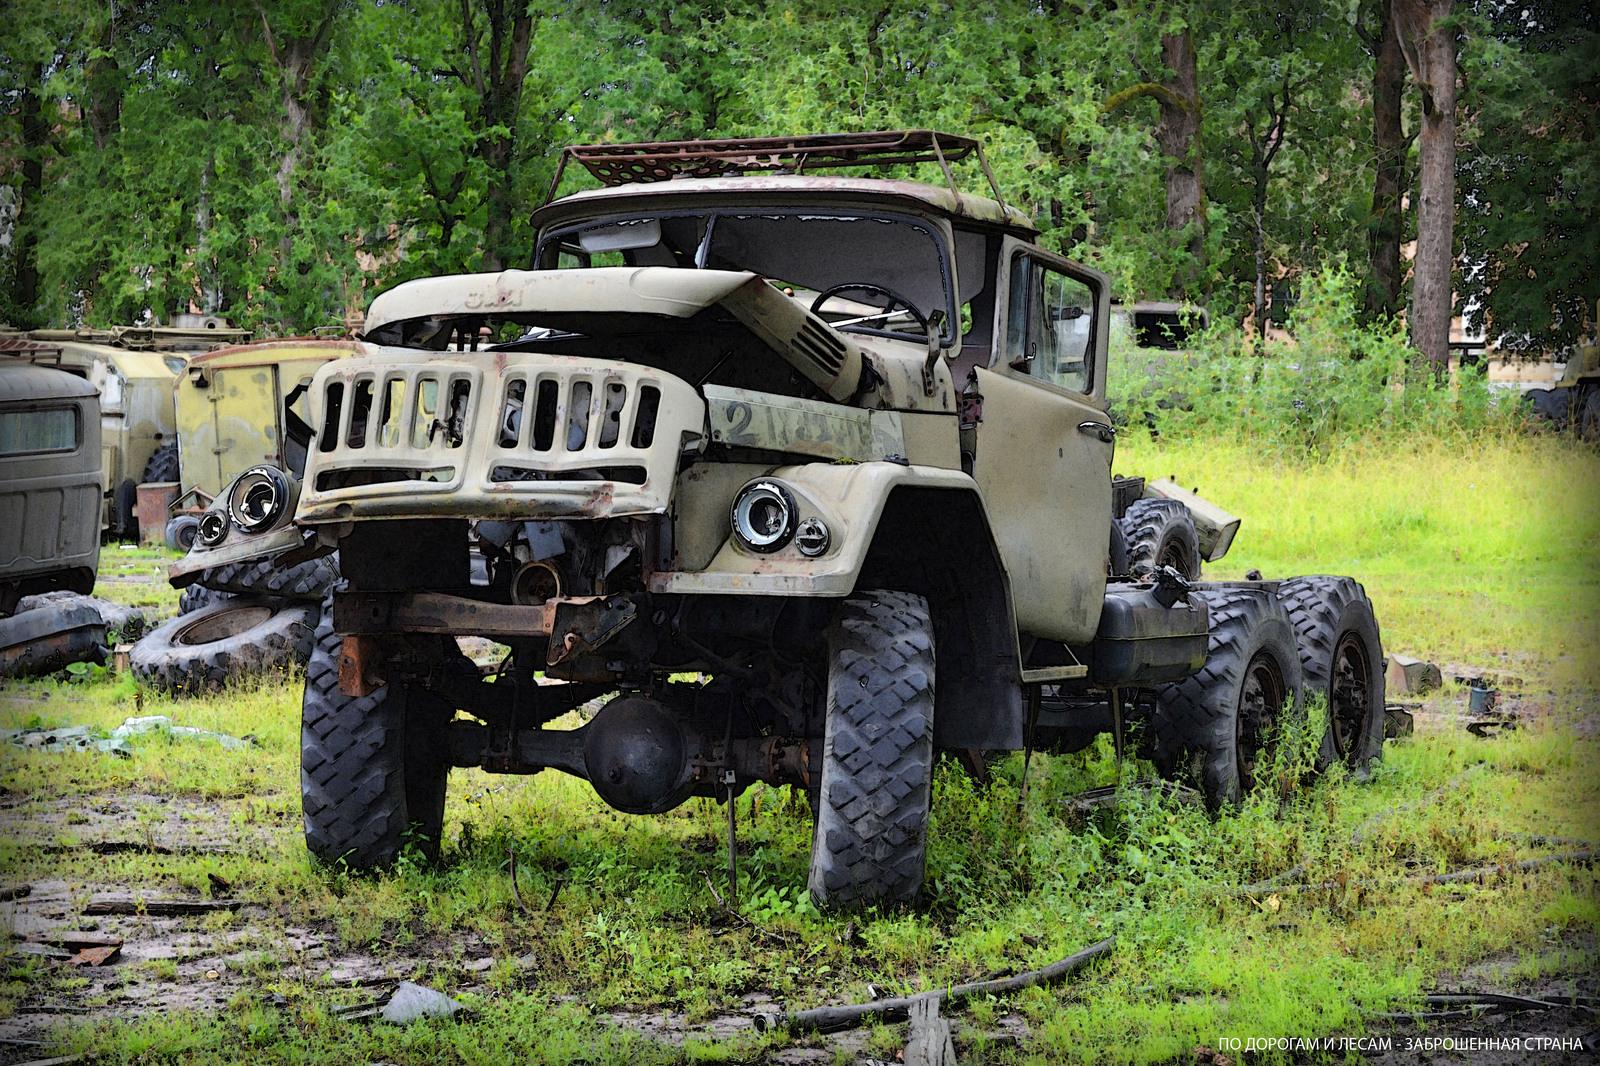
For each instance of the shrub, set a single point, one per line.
(1332, 380)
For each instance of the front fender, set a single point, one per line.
(277, 537)
(850, 498)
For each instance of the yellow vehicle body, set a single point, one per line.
(243, 406)
(134, 370)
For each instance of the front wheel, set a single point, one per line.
(870, 843)
(372, 778)
(1229, 717)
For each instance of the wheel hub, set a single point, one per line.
(1261, 697)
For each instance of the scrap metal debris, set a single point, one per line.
(1406, 675)
(160, 908)
(413, 1001)
(91, 738)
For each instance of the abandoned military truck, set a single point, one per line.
(835, 447)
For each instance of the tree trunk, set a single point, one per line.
(1430, 51)
(499, 101)
(1389, 172)
(296, 58)
(1179, 137)
(35, 141)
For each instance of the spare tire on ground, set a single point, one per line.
(197, 596)
(48, 636)
(123, 622)
(310, 580)
(234, 638)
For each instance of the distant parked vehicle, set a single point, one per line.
(134, 368)
(50, 482)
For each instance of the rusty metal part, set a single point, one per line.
(585, 623)
(359, 660)
(621, 164)
(535, 583)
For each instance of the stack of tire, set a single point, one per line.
(240, 620)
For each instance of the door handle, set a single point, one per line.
(1099, 431)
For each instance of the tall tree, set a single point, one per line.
(497, 37)
(1177, 133)
(1428, 41)
(1390, 146)
(1530, 173)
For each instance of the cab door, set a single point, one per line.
(1045, 442)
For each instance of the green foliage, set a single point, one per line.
(1333, 380)
(1529, 174)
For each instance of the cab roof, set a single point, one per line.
(787, 189)
(23, 382)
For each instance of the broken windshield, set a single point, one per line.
(875, 257)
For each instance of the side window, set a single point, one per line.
(1050, 325)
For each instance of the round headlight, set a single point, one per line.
(763, 516)
(812, 537)
(257, 498)
(213, 528)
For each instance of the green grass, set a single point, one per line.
(634, 926)
(1474, 550)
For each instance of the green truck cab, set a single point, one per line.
(836, 447)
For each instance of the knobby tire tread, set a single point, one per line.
(870, 843)
(161, 661)
(1323, 608)
(1198, 715)
(367, 785)
(1151, 527)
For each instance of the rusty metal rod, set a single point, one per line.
(852, 1014)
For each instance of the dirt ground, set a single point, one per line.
(170, 963)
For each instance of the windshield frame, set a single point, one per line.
(558, 238)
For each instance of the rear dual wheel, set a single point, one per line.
(1342, 659)
(1226, 720)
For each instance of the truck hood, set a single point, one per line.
(417, 314)
(540, 294)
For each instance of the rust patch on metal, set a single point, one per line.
(358, 658)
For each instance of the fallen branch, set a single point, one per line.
(159, 908)
(851, 1014)
(1482, 873)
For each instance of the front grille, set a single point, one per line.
(495, 434)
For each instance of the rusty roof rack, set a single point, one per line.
(33, 351)
(622, 164)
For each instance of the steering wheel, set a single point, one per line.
(896, 303)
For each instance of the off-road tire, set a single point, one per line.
(238, 637)
(1341, 656)
(181, 531)
(371, 777)
(870, 841)
(163, 465)
(44, 638)
(310, 580)
(1161, 533)
(1118, 564)
(197, 596)
(1212, 721)
(1586, 414)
